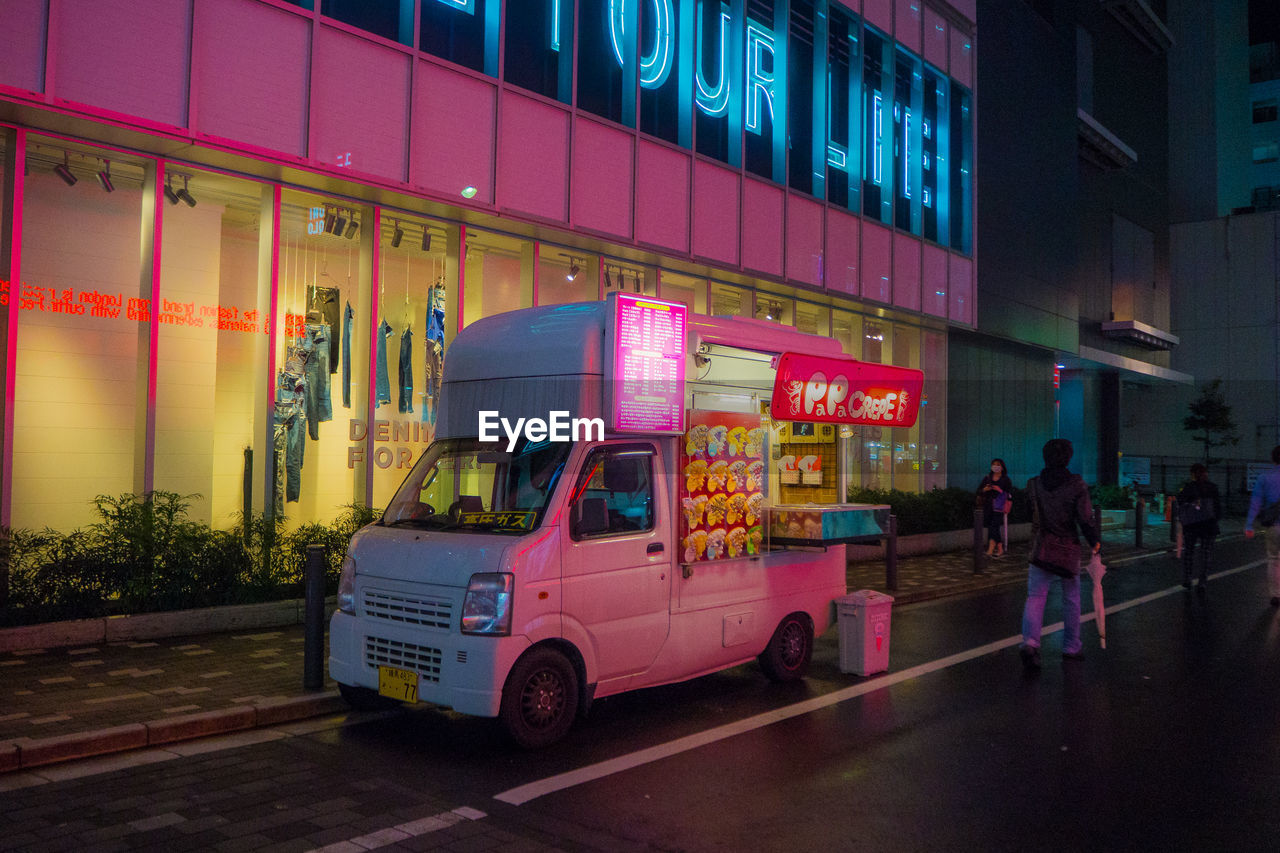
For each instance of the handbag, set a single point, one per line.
(1053, 552)
(1194, 512)
(1268, 515)
(1001, 502)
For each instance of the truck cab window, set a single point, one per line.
(615, 492)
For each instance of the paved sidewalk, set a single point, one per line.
(60, 704)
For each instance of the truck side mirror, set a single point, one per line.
(590, 516)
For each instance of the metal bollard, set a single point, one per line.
(1097, 521)
(979, 543)
(891, 555)
(313, 619)
(1139, 522)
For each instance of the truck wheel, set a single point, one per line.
(540, 698)
(790, 649)
(364, 699)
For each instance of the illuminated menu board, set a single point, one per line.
(646, 376)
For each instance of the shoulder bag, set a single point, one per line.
(1054, 553)
(1268, 515)
(1196, 511)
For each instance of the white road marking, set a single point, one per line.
(395, 834)
(524, 793)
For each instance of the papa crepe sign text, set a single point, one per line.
(845, 391)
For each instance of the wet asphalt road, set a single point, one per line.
(1169, 739)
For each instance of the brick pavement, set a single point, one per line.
(63, 703)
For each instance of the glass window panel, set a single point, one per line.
(691, 292)
(961, 170)
(566, 276)
(877, 131)
(498, 275)
(81, 363)
(727, 301)
(906, 441)
(718, 61)
(766, 71)
(875, 346)
(607, 59)
(935, 197)
(417, 310)
(846, 328)
(211, 412)
(630, 278)
(813, 319)
(664, 111)
(907, 157)
(462, 31)
(806, 169)
(844, 70)
(539, 47)
(391, 19)
(775, 309)
(933, 425)
(322, 271)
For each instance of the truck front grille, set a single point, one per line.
(408, 609)
(423, 660)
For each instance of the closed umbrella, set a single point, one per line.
(1096, 571)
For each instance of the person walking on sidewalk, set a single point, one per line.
(1199, 510)
(1059, 504)
(1263, 508)
(994, 493)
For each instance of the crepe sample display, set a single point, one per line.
(722, 474)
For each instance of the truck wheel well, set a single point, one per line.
(570, 651)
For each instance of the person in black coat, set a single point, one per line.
(994, 493)
(1199, 510)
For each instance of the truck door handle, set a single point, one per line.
(654, 548)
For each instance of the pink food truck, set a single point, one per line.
(619, 495)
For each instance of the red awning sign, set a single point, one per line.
(845, 391)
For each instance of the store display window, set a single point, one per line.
(320, 388)
(212, 341)
(80, 396)
(775, 309)
(906, 441)
(417, 318)
(566, 275)
(846, 327)
(628, 278)
(729, 301)
(687, 290)
(813, 319)
(497, 274)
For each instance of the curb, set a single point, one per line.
(25, 753)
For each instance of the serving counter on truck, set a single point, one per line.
(524, 574)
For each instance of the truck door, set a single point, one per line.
(617, 565)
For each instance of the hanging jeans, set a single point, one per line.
(383, 384)
(315, 345)
(290, 449)
(435, 354)
(406, 371)
(347, 317)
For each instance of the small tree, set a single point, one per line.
(1210, 420)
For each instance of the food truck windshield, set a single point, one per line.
(471, 485)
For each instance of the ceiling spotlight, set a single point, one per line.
(340, 224)
(64, 170)
(104, 177)
(573, 272)
(608, 280)
(426, 239)
(185, 194)
(397, 236)
(169, 193)
(352, 227)
(329, 219)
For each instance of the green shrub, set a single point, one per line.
(1113, 497)
(144, 554)
(936, 510)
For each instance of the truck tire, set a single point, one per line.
(364, 699)
(540, 698)
(790, 649)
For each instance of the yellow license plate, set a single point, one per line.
(398, 683)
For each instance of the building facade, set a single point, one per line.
(250, 177)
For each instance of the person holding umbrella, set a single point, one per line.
(1059, 503)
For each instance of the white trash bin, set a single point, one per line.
(863, 622)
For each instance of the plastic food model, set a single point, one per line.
(737, 441)
(716, 440)
(697, 440)
(693, 508)
(695, 474)
(715, 543)
(717, 507)
(736, 541)
(717, 475)
(737, 508)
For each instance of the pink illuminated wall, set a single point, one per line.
(358, 121)
(453, 124)
(935, 39)
(126, 56)
(877, 262)
(21, 60)
(842, 253)
(879, 13)
(961, 66)
(933, 281)
(804, 240)
(715, 213)
(662, 196)
(533, 173)
(246, 81)
(906, 23)
(762, 218)
(961, 283)
(602, 170)
(906, 272)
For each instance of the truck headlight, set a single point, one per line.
(347, 585)
(487, 606)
